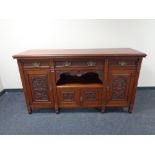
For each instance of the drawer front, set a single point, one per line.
(123, 62)
(36, 63)
(79, 63)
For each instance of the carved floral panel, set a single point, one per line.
(119, 86)
(90, 96)
(68, 96)
(39, 86)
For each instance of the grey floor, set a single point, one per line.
(15, 120)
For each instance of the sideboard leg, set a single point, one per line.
(130, 109)
(56, 109)
(103, 110)
(29, 110)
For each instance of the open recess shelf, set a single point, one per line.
(89, 79)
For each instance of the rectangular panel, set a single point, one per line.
(38, 86)
(36, 63)
(123, 62)
(120, 84)
(91, 97)
(120, 87)
(79, 63)
(68, 97)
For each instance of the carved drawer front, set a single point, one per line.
(79, 63)
(91, 97)
(120, 87)
(123, 62)
(36, 63)
(68, 97)
(38, 87)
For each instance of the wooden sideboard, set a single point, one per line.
(79, 78)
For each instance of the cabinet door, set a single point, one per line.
(68, 97)
(120, 87)
(91, 97)
(38, 83)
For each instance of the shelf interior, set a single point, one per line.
(89, 78)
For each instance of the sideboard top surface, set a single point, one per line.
(79, 52)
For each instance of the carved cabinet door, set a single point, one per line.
(68, 97)
(119, 89)
(91, 97)
(38, 84)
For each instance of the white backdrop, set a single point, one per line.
(19, 35)
(1, 87)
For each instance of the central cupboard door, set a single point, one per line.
(39, 88)
(91, 97)
(68, 97)
(79, 97)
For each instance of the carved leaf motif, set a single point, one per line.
(90, 96)
(39, 88)
(119, 86)
(68, 96)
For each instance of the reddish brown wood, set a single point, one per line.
(38, 86)
(120, 87)
(68, 97)
(61, 53)
(29, 109)
(136, 76)
(105, 79)
(108, 78)
(91, 97)
(54, 90)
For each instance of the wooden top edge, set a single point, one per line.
(97, 85)
(79, 52)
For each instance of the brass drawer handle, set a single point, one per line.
(122, 63)
(67, 64)
(36, 64)
(91, 63)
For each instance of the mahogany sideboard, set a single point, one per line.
(79, 78)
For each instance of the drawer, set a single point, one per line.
(79, 63)
(123, 62)
(36, 63)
